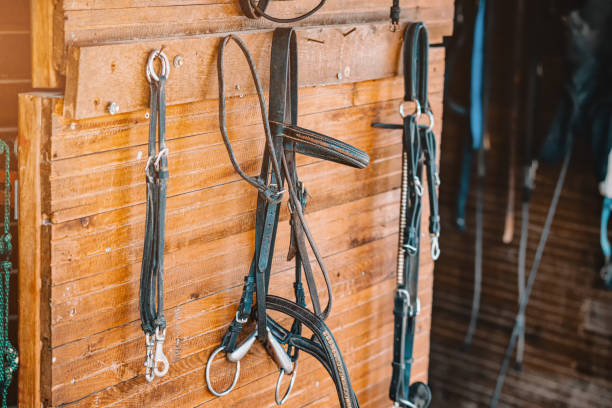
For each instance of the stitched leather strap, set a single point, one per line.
(322, 346)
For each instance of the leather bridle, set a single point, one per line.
(257, 8)
(279, 175)
(152, 316)
(418, 150)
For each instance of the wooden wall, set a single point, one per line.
(568, 358)
(85, 347)
(15, 77)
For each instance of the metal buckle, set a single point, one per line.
(239, 320)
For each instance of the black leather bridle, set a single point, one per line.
(152, 316)
(419, 149)
(257, 8)
(279, 175)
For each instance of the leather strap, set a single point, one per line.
(255, 9)
(152, 269)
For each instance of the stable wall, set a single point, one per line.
(85, 198)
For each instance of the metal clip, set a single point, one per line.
(418, 186)
(437, 179)
(160, 357)
(281, 401)
(435, 247)
(149, 363)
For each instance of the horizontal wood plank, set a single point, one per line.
(117, 64)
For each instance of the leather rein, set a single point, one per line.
(418, 152)
(278, 176)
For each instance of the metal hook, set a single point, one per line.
(281, 401)
(149, 363)
(160, 357)
(207, 374)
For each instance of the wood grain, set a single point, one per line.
(93, 214)
(114, 65)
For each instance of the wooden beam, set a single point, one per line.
(44, 74)
(34, 247)
(117, 65)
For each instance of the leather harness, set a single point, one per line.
(255, 9)
(152, 272)
(418, 150)
(279, 175)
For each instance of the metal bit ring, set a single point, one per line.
(207, 374)
(281, 401)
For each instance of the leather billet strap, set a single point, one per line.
(418, 151)
(257, 8)
(278, 175)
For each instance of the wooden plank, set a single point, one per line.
(114, 65)
(44, 73)
(88, 22)
(34, 255)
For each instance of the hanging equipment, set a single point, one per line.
(284, 138)
(152, 272)
(418, 149)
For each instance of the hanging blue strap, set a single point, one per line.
(605, 216)
(606, 270)
(476, 110)
(476, 93)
